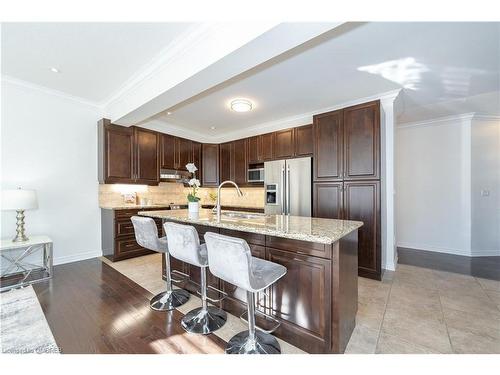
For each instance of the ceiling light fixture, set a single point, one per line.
(213, 127)
(54, 70)
(241, 105)
(169, 113)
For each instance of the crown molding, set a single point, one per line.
(46, 90)
(167, 128)
(266, 127)
(302, 119)
(438, 120)
(486, 117)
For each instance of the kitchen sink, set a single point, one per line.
(244, 215)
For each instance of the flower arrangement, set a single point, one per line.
(194, 183)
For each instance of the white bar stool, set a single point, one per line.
(146, 235)
(230, 259)
(184, 244)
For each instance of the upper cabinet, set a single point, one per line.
(255, 149)
(267, 147)
(347, 144)
(362, 142)
(327, 129)
(284, 144)
(234, 161)
(147, 164)
(210, 157)
(127, 155)
(303, 138)
(169, 151)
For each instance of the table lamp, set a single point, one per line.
(19, 200)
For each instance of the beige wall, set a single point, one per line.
(111, 195)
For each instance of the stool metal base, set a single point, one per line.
(204, 321)
(167, 301)
(264, 344)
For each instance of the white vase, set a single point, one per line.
(193, 206)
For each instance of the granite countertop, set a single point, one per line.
(326, 231)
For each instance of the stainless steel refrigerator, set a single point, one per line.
(288, 187)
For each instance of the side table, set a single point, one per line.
(24, 263)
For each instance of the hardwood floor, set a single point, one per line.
(485, 267)
(92, 308)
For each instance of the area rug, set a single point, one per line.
(23, 327)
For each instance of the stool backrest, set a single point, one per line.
(230, 259)
(146, 233)
(184, 243)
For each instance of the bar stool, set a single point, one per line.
(184, 244)
(146, 235)
(230, 259)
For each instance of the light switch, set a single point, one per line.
(485, 193)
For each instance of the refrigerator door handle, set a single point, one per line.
(282, 193)
(288, 191)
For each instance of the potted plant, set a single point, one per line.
(194, 183)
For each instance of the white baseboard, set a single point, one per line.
(434, 249)
(76, 257)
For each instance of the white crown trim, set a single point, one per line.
(437, 120)
(46, 90)
(270, 126)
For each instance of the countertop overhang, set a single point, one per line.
(325, 231)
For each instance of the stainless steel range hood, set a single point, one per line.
(172, 175)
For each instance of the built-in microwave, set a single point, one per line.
(256, 175)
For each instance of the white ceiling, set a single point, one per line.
(95, 59)
(433, 62)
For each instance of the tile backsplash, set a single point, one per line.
(171, 192)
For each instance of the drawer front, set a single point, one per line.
(124, 227)
(304, 247)
(125, 213)
(126, 246)
(251, 238)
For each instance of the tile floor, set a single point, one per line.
(414, 310)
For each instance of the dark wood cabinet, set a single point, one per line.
(347, 175)
(127, 155)
(234, 161)
(307, 284)
(267, 145)
(239, 162)
(197, 159)
(284, 144)
(185, 153)
(225, 151)
(210, 157)
(117, 234)
(116, 153)
(362, 142)
(146, 156)
(328, 200)
(255, 149)
(303, 140)
(362, 203)
(169, 152)
(328, 146)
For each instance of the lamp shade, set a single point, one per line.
(19, 199)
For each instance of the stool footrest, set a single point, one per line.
(184, 275)
(244, 317)
(214, 300)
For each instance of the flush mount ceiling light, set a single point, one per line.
(169, 113)
(241, 105)
(54, 70)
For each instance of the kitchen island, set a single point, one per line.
(316, 301)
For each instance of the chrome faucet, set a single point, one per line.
(240, 194)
